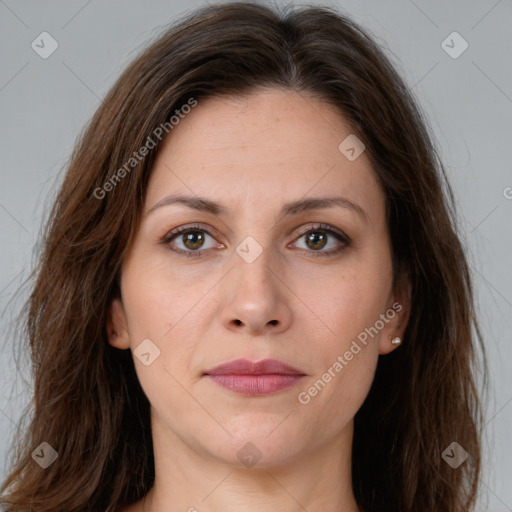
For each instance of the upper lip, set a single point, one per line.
(247, 367)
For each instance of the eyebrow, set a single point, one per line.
(292, 208)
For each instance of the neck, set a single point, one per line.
(188, 480)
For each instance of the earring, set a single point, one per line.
(396, 341)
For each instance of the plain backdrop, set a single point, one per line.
(45, 103)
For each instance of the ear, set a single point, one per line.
(117, 327)
(397, 314)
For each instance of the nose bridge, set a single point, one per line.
(252, 264)
(256, 261)
(254, 249)
(255, 299)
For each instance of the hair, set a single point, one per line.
(87, 401)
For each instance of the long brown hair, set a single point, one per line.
(88, 404)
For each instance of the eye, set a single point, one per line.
(190, 240)
(320, 236)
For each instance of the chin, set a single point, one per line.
(254, 447)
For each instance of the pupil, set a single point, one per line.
(189, 237)
(314, 237)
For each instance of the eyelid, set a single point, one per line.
(342, 237)
(324, 227)
(344, 240)
(190, 227)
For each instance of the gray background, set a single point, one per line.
(468, 100)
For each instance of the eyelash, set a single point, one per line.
(166, 240)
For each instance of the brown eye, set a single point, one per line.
(318, 237)
(316, 240)
(193, 239)
(189, 240)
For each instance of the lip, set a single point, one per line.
(255, 378)
(247, 367)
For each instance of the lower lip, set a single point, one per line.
(256, 385)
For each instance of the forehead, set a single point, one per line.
(271, 146)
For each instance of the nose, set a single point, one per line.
(256, 300)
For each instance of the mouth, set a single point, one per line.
(255, 378)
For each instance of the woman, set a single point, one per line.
(252, 294)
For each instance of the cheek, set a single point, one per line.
(158, 299)
(345, 303)
(168, 312)
(332, 397)
(346, 357)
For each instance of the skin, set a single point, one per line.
(254, 154)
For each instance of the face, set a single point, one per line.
(252, 277)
